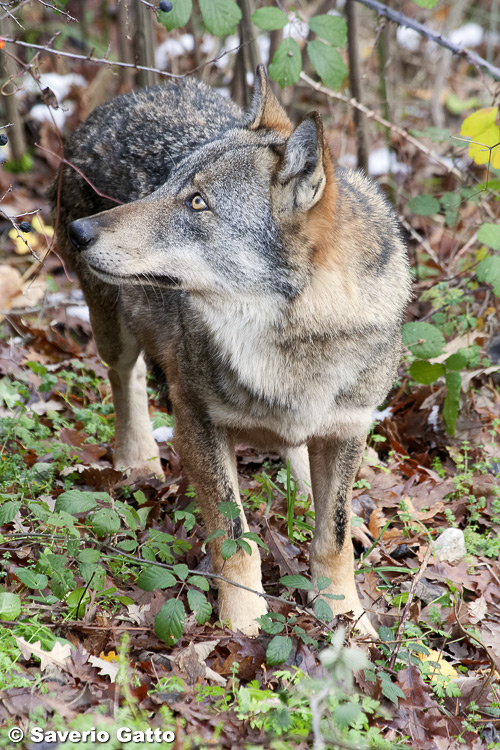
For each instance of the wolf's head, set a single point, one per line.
(240, 214)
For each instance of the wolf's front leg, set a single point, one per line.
(208, 455)
(334, 464)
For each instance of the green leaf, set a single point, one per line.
(230, 510)
(212, 536)
(278, 650)
(286, 63)
(423, 340)
(327, 63)
(220, 16)
(269, 19)
(169, 622)
(244, 546)
(154, 577)
(436, 135)
(385, 633)
(10, 606)
(105, 521)
(296, 582)
(9, 510)
(347, 714)
(181, 571)
(452, 401)
(199, 605)
(255, 538)
(423, 205)
(31, 579)
(489, 234)
(89, 556)
(228, 548)
(199, 581)
(75, 502)
(178, 16)
(323, 611)
(457, 361)
(489, 271)
(269, 625)
(424, 372)
(391, 691)
(426, 3)
(323, 582)
(332, 29)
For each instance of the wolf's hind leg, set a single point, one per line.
(136, 451)
(334, 463)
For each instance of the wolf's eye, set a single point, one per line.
(196, 203)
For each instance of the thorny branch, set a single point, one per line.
(432, 36)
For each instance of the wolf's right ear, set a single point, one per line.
(265, 110)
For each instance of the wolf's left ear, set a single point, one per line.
(265, 111)
(302, 177)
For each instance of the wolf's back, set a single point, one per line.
(127, 147)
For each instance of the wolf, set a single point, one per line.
(223, 247)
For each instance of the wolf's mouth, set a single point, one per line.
(140, 279)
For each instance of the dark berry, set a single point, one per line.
(166, 6)
(25, 226)
(3, 139)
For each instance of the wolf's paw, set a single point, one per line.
(137, 469)
(240, 612)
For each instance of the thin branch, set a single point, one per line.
(432, 36)
(433, 155)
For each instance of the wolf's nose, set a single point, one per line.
(80, 234)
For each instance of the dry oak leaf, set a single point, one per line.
(58, 656)
(106, 668)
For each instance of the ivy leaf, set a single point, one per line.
(452, 401)
(327, 63)
(199, 605)
(489, 271)
(169, 622)
(286, 64)
(423, 205)
(220, 16)
(482, 127)
(154, 577)
(296, 582)
(228, 548)
(489, 234)
(269, 19)
(278, 650)
(423, 340)
(178, 16)
(424, 372)
(332, 29)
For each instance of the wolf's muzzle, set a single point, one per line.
(81, 234)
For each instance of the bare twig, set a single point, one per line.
(433, 155)
(406, 610)
(355, 82)
(432, 36)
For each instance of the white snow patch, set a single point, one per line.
(264, 43)
(408, 38)
(79, 311)
(60, 85)
(163, 434)
(41, 113)
(382, 161)
(432, 419)
(172, 48)
(379, 416)
(468, 35)
(296, 29)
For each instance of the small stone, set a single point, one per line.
(3, 139)
(450, 545)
